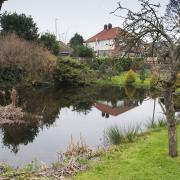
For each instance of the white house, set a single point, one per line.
(103, 43)
(109, 41)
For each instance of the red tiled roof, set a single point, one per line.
(105, 35)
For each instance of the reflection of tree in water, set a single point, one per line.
(111, 94)
(16, 134)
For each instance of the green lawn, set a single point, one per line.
(146, 159)
(120, 81)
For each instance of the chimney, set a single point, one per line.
(105, 27)
(109, 26)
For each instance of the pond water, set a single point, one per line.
(67, 112)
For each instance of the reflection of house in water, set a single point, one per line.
(107, 108)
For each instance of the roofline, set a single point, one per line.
(88, 40)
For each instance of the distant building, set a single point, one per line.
(65, 50)
(109, 41)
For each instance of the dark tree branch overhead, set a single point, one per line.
(164, 31)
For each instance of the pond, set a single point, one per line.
(67, 112)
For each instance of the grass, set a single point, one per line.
(120, 81)
(146, 159)
(116, 135)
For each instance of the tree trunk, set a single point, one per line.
(171, 121)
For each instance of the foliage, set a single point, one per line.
(71, 72)
(21, 60)
(107, 67)
(120, 80)
(20, 24)
(49, 41)
(125, 63)
(137, 63)
(82, 51)
(130, 78)
(142, 75)
(154, 81)
(76, 40)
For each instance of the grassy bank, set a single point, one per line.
(120, 80)
(143, 160)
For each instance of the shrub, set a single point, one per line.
(142, 75)
(82, 51)
(154, 81)
(71, 72)
(137, 63)
(130, 78)
(23, 60)
(49, 41)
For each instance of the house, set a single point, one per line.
(103, 43)
(109, 42)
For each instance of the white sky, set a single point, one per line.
(87, 17)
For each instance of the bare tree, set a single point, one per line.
(148, 25)
(1, 2)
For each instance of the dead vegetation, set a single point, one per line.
(73, 160)
(11, 114)
(32, 61)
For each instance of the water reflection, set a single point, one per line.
(89, 104)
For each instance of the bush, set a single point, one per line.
(130, 78)
(124, 63)
(23, 60)
(137, 63)
(154, 81)
(71, 72)
(82, 51)
(49, 41)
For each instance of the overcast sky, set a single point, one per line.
(86, 17)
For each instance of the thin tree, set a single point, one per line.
(147, 25)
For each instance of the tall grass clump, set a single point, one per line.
(116, 135)
(21, 60)
(156, 124)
